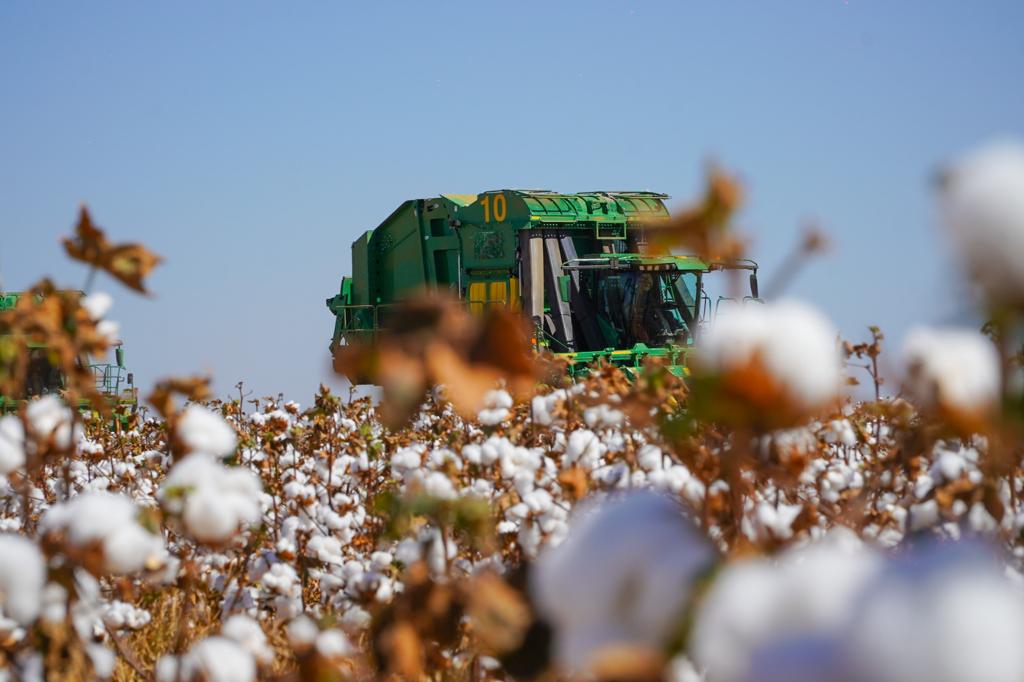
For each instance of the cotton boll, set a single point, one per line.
(436, 484)
(22, 575)
(109, 330)
(214, 500)
(497, 408)
(110, 520)
(49, 418)
(216, 659)
(952, 370)
(755, 604)
(333, 644)
(983, 208)
(641, 544)
(776, 358)
(202, 430)
(248, 633)
(12, 444)
(302, 632)
(97, 304)
(208, 516)
(131, 548)
(945, 613)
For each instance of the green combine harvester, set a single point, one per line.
(576, 265)
(113, 380)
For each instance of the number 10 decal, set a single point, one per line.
(498, 206)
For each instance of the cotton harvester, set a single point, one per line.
(576, 265)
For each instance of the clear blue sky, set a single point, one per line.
(251, 142)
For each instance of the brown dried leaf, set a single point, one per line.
(500, 614)
(128, 263)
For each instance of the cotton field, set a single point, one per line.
(761, 519)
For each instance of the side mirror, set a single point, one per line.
(753, 285)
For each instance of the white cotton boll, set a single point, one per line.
(12, 444)
(640, 544)
(539, 410)
(438, 485)
(217, 659)
(490, 451)
(983, 208)
(950, 465)
(109, 330)
(103, 660)
(776, 522)
(54, 603)
(472, 453)
(282, 579)
(406, 459)
(795, 343)
(981, 521)
(945, 613)
(132, 548)
(333, 644)
(497, 399)
(22, 575)
(602, 416)
(584, 448)
(248, 633)
(97, 304)
(529, 539)
(923, 485)
(650, 458)
(408, 552)
(208, 516)
(492, 417)
(111, 520)
(497, 408)
(356, 618)
(302, 632)
(923, 515)
(49, 418)
(840, 431)
(203, 430)
(214, 500)
(758, 604)
(954, 369)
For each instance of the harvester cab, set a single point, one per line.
(576, 265)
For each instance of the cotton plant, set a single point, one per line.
(109, 523)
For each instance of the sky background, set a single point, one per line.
(251, 142)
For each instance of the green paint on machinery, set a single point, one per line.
(113, 380)
(573, 264)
